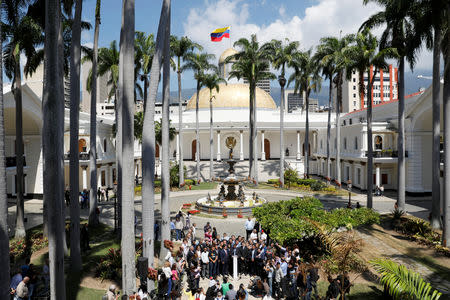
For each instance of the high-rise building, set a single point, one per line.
(102, 87)
(263, 84)
(384, 88)
(293, 101)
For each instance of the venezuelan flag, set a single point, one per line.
(218, 34)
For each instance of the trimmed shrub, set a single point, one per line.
(273, 181)
(317, 186)
(290, 175)
(174, 176)
(189, 182)
(305, 181)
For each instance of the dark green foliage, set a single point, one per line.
(306, 181)
(294, 220)
(174, 179)
(110, 266)
(317, 186)
(290, 175)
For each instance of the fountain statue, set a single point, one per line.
(231, 197)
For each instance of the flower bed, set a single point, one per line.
(22, 248)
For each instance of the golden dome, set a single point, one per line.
(225, 54)
(232, 96)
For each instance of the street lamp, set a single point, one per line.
(349, 188)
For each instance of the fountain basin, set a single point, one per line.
(228, 207)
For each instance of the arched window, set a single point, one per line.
(345, 143)
(356, 143)
(378, 142)
(104, 145)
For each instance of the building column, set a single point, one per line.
(241, 154)
(299, 156)
(110, 176)
(263, 154)
(218, 146)
(84, 177)
(99, 176)
(178, 148)
(377, 175)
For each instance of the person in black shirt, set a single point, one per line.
(213, 257)
(333, 288)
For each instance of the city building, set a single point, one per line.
(295, 101)
(384, 88)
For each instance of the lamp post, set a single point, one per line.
(349, 188)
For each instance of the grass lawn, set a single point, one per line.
(366, 291)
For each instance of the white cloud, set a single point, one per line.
(323, 18)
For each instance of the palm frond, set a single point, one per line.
(403, 283)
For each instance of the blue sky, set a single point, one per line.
(303, 20)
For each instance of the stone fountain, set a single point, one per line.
(231, 198)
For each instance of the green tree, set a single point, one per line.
(21, 35)
(251, 63)
(307, 79)
(282, 55)
(199, 63)
(127, 140)
(52, 139)
(211, 82)
(145, 50)
(400, 34)
(363, 55)
(324, 56)
(181, 48)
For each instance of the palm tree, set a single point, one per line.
(251, 63)
(180, 49)
(335, 56)
(52, 141)
(363, 56)
(148, 147)
(211, 82)
(307, 79)
(127, 139)
(199, 63)
(431, 25)
(145, 50)
(400, 34)
(93, 216)
(75, 56)
(281, 56)
(22, 35)
(4, 238)
(324, 56)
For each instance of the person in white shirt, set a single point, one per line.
(263, 236)
(249, 225)
(205, 262)
(254, 235)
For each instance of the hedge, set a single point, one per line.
(292, 220)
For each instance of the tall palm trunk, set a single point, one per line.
(128, 234)
(180, 130)
(52, 144)
(401, 136)
(282, 82)
(118, 108)
(75, 57)
(329, 129)
(446, 100)
(4, 238)
(148, 146)
(211, 143)
(338, 129)
(165, 173)
(436, 156)
(252, 137)
(369, 144)
(197, 134)
(255, 135)
(307, 135)
(93, 217)
(20, 213)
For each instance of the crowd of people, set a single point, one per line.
(275, 272)
(25, 280)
